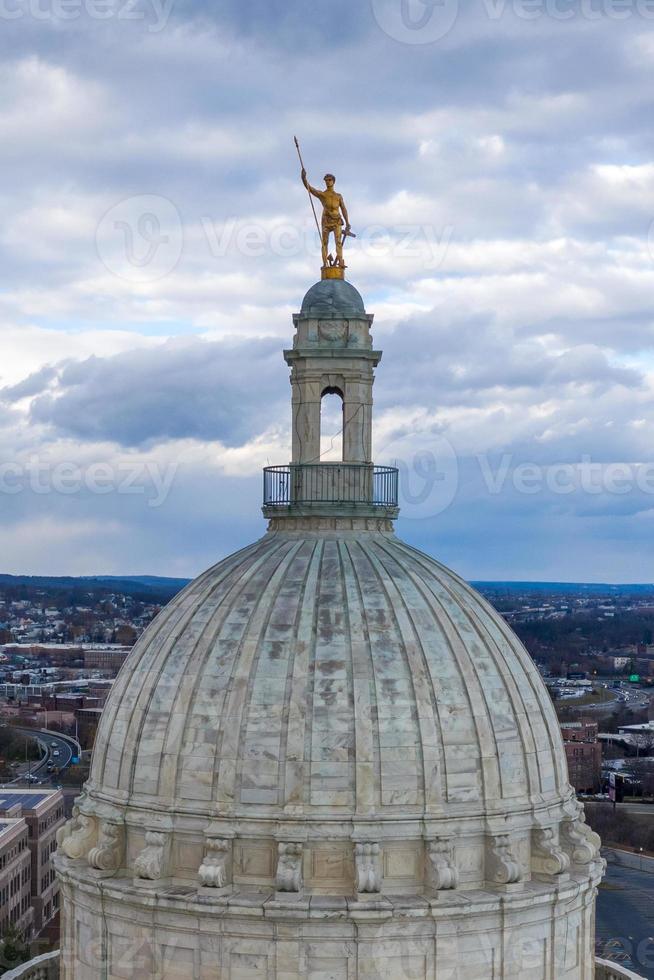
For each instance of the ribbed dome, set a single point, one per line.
(333, 297)
(335, 670)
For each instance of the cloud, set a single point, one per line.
(190, 389)
(502, 191)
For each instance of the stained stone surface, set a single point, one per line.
(343, 671)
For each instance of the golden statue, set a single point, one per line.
(334, 222)
(334, 215)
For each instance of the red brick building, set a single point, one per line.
(584, 755)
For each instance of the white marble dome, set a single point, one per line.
(328, 758)
(330, 675)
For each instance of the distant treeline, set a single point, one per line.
(147, 589)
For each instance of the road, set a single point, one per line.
(627, 694)
(646, 808)
(625, 919)
(40, 769)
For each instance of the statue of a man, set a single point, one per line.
(334, 214)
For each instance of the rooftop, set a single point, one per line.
(28, 799)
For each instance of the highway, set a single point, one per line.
(628, 694)
(65, 746)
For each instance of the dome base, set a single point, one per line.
(541, 931)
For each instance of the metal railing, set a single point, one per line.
(605, 970)
(334, 483)
(44, 967)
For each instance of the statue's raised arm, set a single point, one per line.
(312, 190)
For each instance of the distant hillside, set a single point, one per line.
(566, 588)
(144, 587)
(156, 581)
(158, 589)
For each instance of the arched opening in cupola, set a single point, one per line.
(331, 426)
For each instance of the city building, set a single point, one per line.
(104, 659)
(329, 757)
(88, 720)
(43, 814)
(584, 754)
(15, 877)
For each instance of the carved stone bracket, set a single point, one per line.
(107, 855)
(368, 867)
(502, 868)
(581, 843)
(68, 828)
(78, 835)
(150, 863)
(289, 867)
(441, 870)
(215, 870)
(547, 856)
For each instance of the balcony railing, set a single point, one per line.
(44, 967)
(330, 483)
(605, 970)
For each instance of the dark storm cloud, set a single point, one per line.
(197, 389)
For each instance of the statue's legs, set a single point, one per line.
(337, 232)
(338, 236)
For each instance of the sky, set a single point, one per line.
(496, 158)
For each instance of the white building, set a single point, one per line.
(329, 757)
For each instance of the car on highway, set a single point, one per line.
(53, 745)
(56, 752)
